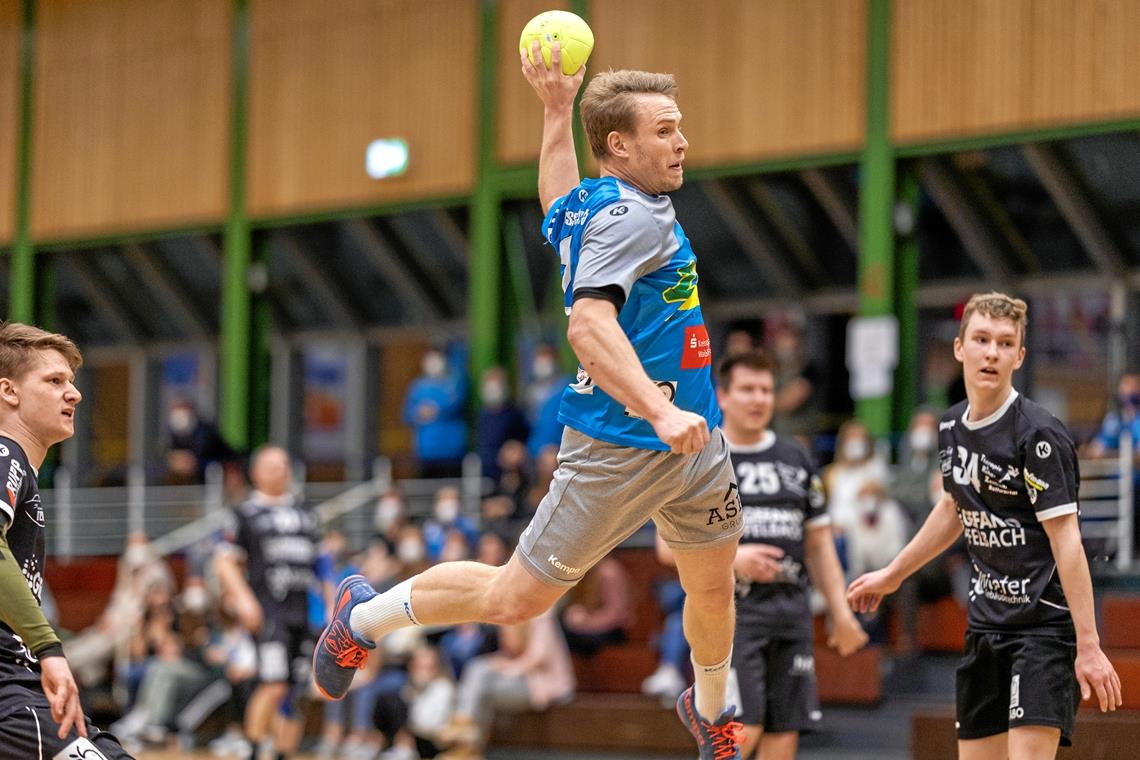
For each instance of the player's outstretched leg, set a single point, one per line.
(340, 652)
(715, 741)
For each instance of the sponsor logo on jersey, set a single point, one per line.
(619, 210)
(1043, 449)
(697, 351)
(685, 291)
(574, 218)
(16, 475)
(560, 565)
(1035, 486)
(946, 425)
(773, 523)
(946, 460)
(583, 384)
(1005, 589)
(987, 530)
(668, 389)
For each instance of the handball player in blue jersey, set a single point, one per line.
(1009, 472)
(642, 439)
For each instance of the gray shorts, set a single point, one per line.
(602, 493)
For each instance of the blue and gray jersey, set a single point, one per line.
(621, 245)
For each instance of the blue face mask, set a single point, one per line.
(1130, 399)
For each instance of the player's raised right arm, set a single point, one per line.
(557, 160)
(935, 536)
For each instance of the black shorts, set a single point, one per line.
(28, 732)
(777, 683)
(284, 653)
(1010, 680)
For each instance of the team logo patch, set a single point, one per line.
(685, 291)
(1044, 449)
(619, 210)
(80, 749)
(698, 348)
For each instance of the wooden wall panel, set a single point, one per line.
(10, 23)
(519, 114)
(131, 115)
(969, 67)
(327, 79)
(757, 80)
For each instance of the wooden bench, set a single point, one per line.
(941, 626)
(1120, 621)
(1096, 735)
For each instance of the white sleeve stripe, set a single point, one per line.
(818, 521)
(1060, 511)
(1043, 601)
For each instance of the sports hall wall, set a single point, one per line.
(131, 123)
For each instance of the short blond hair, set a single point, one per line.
(609, 103)
(20, 344)
(996, 306)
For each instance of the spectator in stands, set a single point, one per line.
(543, 397)
(231, 656)
(466, 641)
(599, 611)
(446, 517)
(391, 513)
(500, 420)
(92, 651)
(531, 671)
(379, 563)
(797, 380)
(879, 532)
(855, 465)
(413, 719)
(433, 409)
(507, 504)
(193, 444)
(671, 677)
(411, 551)
(1125, 416)
(915, 485)
(739, 340)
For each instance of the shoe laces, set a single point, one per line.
(346, 652)
(725, 739)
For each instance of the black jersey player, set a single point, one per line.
(276, 538)
(1009, 471)
(40, 713)
(786, 545)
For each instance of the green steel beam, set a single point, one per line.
(356, 212)
(260, 352)
(484, 276)
(236, 317)
(22, 275)
(46, 298)
(906, 304)
(876, 201)
(999, 139)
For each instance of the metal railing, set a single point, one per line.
(1108, 504)
(97, 521)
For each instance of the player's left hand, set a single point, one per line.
(63, 695)
(555, 89)
(847, 636)
(1095, 673)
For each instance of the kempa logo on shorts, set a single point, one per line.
(80, 749)
(563, 567)
(1015, 708)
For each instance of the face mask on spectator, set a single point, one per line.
(446, 510)
(136, 556)
(923, 438)
(494, 393)
(543, 368)
(410, 551)
(182, 420)
(387, 512)
(855, 449)
(434, 365)
(195, 599)
(1130, 400)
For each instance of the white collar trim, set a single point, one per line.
(766, 442)
(993, 417)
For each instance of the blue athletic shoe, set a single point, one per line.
(340, 652)
(715, 741)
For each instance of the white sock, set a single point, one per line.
(383, 614)
(711, 683)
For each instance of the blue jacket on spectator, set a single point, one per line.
(434, 411)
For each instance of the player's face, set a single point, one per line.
(990, 350)
(46, 398)
(657, 147)
(748, 400)
(271, 472)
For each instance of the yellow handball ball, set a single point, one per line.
(569, 30)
